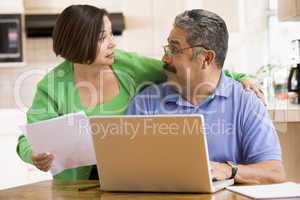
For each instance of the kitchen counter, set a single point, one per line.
(284, 111)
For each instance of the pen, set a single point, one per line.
(84, 188)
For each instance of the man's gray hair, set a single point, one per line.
(207, 29)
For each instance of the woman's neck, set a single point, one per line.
(89, 71)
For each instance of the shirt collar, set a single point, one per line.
(171, 95)
(223, 89)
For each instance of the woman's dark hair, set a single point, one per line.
(77, 31)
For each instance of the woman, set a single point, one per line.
(94, 78)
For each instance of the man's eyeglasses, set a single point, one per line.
(171, 50)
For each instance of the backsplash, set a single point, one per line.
(39, 59)
(39, 50)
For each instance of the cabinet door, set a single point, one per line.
(56, 6)
(289, 10)
(38, 7)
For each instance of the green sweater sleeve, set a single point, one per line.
(235, 75)
(43, 107)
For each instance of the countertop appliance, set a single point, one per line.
(294, 76)
(11, 46)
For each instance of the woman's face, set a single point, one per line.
(106, 45)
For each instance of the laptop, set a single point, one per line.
(153, 153)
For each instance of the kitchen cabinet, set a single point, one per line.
(289, 10)
(56, 6)
(286, 119)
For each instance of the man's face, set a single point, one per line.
(180, 66)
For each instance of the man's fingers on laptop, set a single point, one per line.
(220, 171)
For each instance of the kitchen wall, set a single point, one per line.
(148, 23)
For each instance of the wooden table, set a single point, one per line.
(61, 190)
(69, 190)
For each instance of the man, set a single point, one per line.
(242, 141)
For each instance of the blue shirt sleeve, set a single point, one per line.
(259, 138)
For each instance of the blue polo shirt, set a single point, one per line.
(237, 124)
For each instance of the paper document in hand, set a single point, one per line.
(271, 191)
(67, 137)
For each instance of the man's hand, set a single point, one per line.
(42, 161)
(220, 171)
(248, 85)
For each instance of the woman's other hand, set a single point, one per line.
(248, 85)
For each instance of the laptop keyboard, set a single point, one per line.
(215, 183)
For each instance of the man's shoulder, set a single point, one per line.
(232, 84)
(237, 89)
(243, 99)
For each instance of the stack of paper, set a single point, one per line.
(272, 191)
(68, 138)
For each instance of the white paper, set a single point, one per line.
(271, 191)
(68, 138)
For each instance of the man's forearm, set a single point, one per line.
(261, 173)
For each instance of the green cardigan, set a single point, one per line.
(57, 95)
